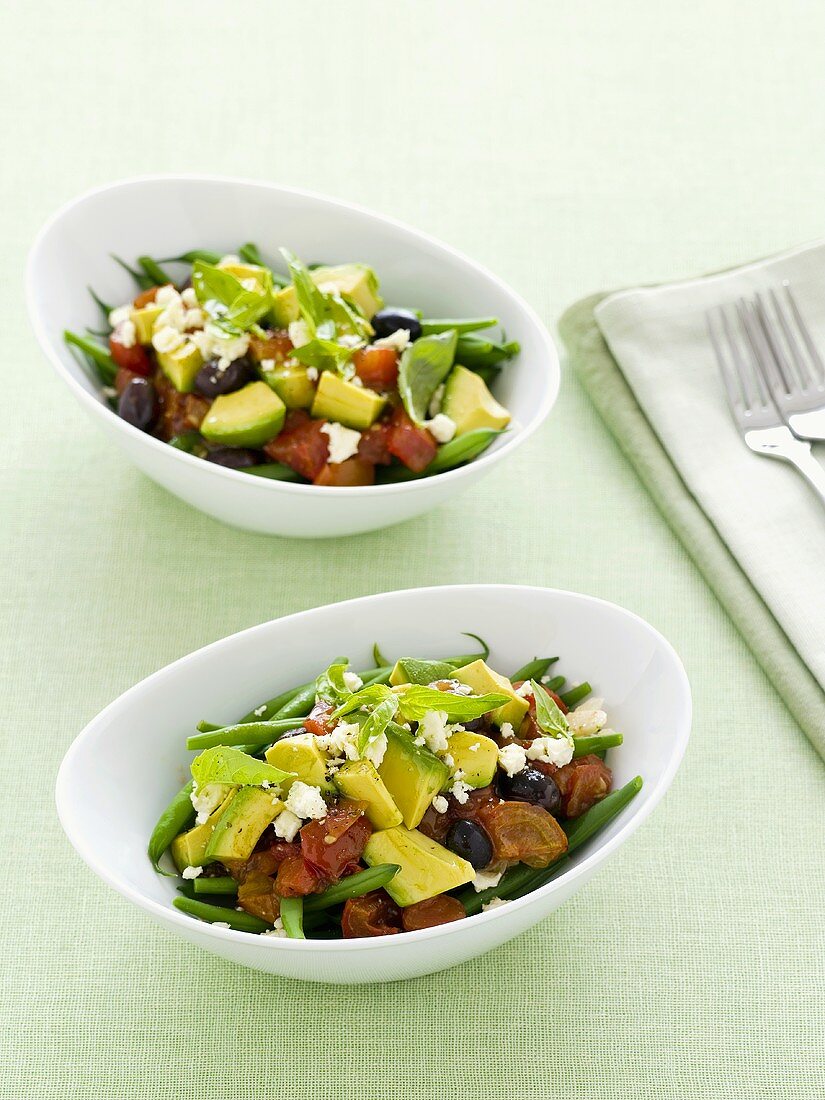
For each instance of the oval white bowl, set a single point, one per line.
(165, 216)
(129, 761)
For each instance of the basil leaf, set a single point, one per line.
(365, 697)
(222, 764)
(378, 721)
(212, 284)
(548, 715)
(311, 301)
(330, 685)
(425, 672)
(237, 307)
(415, 701)
(424, 366)
(323, 354)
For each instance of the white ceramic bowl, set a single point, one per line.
(128, 762)
(165, 216)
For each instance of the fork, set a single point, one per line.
(744, 356)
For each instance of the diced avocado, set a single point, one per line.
(469, 404)
(357, 282)
(241, 825)
(189, 849)
(351, 405)
(427, 868)
(249, 417)
(412, 774)
(144, 321)
(411, 670)
(482, 679)
(359, 780)
(285, 307)
(292, 384)
(181, 365)
(301, 756)
(475, 755)
(248, 271)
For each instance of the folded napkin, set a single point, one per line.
(750, 523)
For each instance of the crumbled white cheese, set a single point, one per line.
(126, 334)
(194, 318)
(329, 287)
(286, 825)
(460, 790)
(229, 258)
(173, 316)
(486, 880)
(191, 872)
(258, 711)
(440, 804)
(343, 442)
(167, 339)
(512, 758)
(299, 333)
(397, 340)
(121, 314)
(277, 930)
(165, 295)
(474, 747)
(342, 740)
(350, 340)
(448, 760)
(306, 801)
(493, 903)
(312, 374)
(442, 428)
(207, 799)
(220, 924)
(588, 718)
(526, 690)
(551, 750)
(189, 297)
(436, 400)
(352, 681)
(433, 728)
(267, 365)
(507, 730)
(375, 749)
(249, 284)
(214, 344)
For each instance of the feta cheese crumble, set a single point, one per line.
(512, 758)
(587, 718)
(299, 333)
(486, 880)
(433, 728)
(207, 799)
(493, 903)
(306, 801)
(312, 374)
(224, 924)
(375, 749)
(526, 690)
(189, 297)
(442, 428)
(435, 401)
(460, 790)
(191, 872)
(167, 339)
(126, 334)
(397, 340)
(165, 295)
(343, 442)
(121, 314)
(551, 750)
(286, 825)
(440, 804)
(352, 681)
(259, 711)
(507, 730)
(276, 930)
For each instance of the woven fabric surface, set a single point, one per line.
(567, 147)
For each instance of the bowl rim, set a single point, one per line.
(549, 366)
(168, 914)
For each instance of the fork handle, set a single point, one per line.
(799, 455)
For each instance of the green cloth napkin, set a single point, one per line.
(673, 486)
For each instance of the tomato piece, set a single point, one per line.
(318, 720)
(300, 444)
(352, 471)
(269, 854)
(275, 345)
(377, 368)
(414, 446)
(179, 412)
(297, 878)
(374, 914)
(336, 843)
(523, 832)
(136, 358)
(374, 444)
(146, 297)
(436, 825)
(256, 895)
(529, 728)
(583, 782)
(433, 911)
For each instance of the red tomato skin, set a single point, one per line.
(432, 912)
(275, 345)
(318, 720)
(352, 471)
(146, 297)
(373, 914)
(296, 878)
(300, 444)
(374, 444)
(414, 446)
(524, 833)
(377, 368)
(336, 843)
(136, 358)
(583, 782)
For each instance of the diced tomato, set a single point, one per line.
(352, 471)
(179, 412)
(146, 297)
(374, 914)
(297, 878)
(300, 444)
(318, 720)
(256, 895)
(336, 843)
(415, 446)
(377, 368)
(433, 911)
(435, 825)
(583, 782)
(523, 832)
(374, 445)
(136, 358)
(275, 345)
(269, 854)
(123, 378)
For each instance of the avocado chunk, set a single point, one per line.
(411, 670)
(291, 383)
(356, 282)
(475, 755)
(285, 307)
(249, 417)
(358, 779)
(427, 868)
(241, 824)
(301, 756)
(144, 321)
(482, 679)
(412, 774)
(351, 405)
(189, 849)
(469, 404)
(248, 271)
(181, 365)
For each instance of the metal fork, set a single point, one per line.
(743, 353)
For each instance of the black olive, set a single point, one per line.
(471, 842)
(137, 404)
(213, 380)
(530, 785)
(234, 458)
(388, 321)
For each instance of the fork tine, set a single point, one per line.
(803, 372)
(737, 397)
(760, 356)
(780, 371)
(815, 357)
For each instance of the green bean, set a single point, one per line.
(597, 742)
(204, 255)
(582, 828)
(143, 281)
(105, 364)
(576, 694)
(191, 442)
(362, 882)
(488, 375)
(468, 658)
(540, 878)
(304, 698)
(512, 879)
(458, 324)
(174, 819)
(380, 675)
(101, 305)
(292, 917)
(220, 884)
(535, 669)
(275, 471)
(464, 448)
(241, 922)
(477, 351)
(378, 657)
(555, 683)
(154, 271)
(244, 733)
(250, 255)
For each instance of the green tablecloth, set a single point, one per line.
(568, 147)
